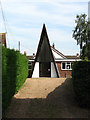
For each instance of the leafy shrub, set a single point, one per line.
(81, 82)
(14, 74)
(86, 52)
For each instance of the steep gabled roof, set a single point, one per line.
(54, 50)
(43, 35)
(62, 56)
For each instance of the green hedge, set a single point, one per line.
(86, 51)
(14, 74)
(81, 82)
(88, 54)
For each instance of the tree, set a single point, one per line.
(80, 32)
(89, 39)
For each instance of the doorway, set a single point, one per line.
(45, 69)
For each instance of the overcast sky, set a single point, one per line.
(25, 18)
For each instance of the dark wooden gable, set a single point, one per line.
(44, 52)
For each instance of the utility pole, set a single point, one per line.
(19, 45)
(89, 10)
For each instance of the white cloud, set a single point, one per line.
(62, 14)
(28, 37)
(25, 19)
(59, 35)
(49, 1)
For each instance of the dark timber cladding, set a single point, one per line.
(44, 69)
(44, 55)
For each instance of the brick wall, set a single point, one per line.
(63, 73)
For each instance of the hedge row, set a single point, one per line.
(81, 82)
(86, 52)
(14, 74)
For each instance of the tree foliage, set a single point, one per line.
(80, 32)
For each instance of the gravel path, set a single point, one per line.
(45, 98)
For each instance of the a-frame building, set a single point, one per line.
(48, 61)
(44, 64)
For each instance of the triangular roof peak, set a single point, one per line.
(44, 29)
(43, 34)
(44, 25)
(44, 52)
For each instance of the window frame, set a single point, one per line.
(66, 63)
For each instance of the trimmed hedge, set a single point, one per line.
(88, 54)
(81, 82)
(14, 74)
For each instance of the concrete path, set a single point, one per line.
(45, 98)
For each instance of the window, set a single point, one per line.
(30, 66)
(71, 65)
(66, 66)
(63, 65)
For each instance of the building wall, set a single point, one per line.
(53, 71)
(63, 73)
(3, 39)
(30, 68)
(36, 71)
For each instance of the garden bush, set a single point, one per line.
(14, 74)
(81, 82)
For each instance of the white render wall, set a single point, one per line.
(36, 71)
(53, 71)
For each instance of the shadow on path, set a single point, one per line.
(60, 103)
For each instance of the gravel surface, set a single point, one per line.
(46, 98)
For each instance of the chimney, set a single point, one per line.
(53, 45)
(77, 55)
(25, 53)
(33, 54)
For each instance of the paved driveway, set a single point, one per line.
(46, 98)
